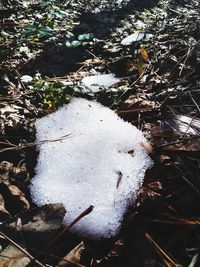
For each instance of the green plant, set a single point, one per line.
(53, 94)
(82, 40)
(48, 22)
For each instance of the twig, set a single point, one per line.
(92, 54)
(173, 143)
(14, 147)
(177, 221)
(194, 101)
(184, 177)
(175, 11)
(66, 229)
(168, 261)
(137, 110)
(73, 263)
(186, 58)
(23, 250)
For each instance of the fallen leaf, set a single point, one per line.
(177, 132)
(73, 257)
(35, 228)
(4, 214)
(41, 225)
(44, 219)
(16, 195)
(147, 146)
(13, 257)
(144, 54)
(149, 191)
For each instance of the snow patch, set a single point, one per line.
(136, 37)
(100, 163)
(95, 82)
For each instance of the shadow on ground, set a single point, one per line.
(59, 61)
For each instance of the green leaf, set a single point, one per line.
(69, 35)
(73, 44)
(46, 31)
(86, 36)
(85, 43)
(57, 85)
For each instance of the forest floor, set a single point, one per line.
(46, 49)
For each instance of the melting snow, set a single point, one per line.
(94, 83)
(90, 167)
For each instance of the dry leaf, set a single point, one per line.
(149, 191)
(146, 145)
(167, 138)
(73, 257)
(144, 54)
(13, 257)
(4, 214)
(139, 102)
(17, 194)
(44, 219)
(41, 225)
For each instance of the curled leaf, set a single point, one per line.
(144, 54)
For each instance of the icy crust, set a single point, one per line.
(84, 168)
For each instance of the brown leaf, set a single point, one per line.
(13, 257)
(12, 116)
(17, 174)
(5, 166)
(35, 228)
(17, 194)
(177, 133)
(41, 225)
(137, 103)
(73, 258)
(44, 219)
(171, 141)
(4, 214)
(144, 54)
(149, 191)
(147, 146)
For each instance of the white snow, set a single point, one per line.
(95, 82)
(84, 168)
(26, 78)
(136, 36)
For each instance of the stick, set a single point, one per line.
(23, 250)
(67, 228)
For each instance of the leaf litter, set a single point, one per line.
(159, 94)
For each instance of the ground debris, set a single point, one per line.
(158, 92)
(13, 257)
